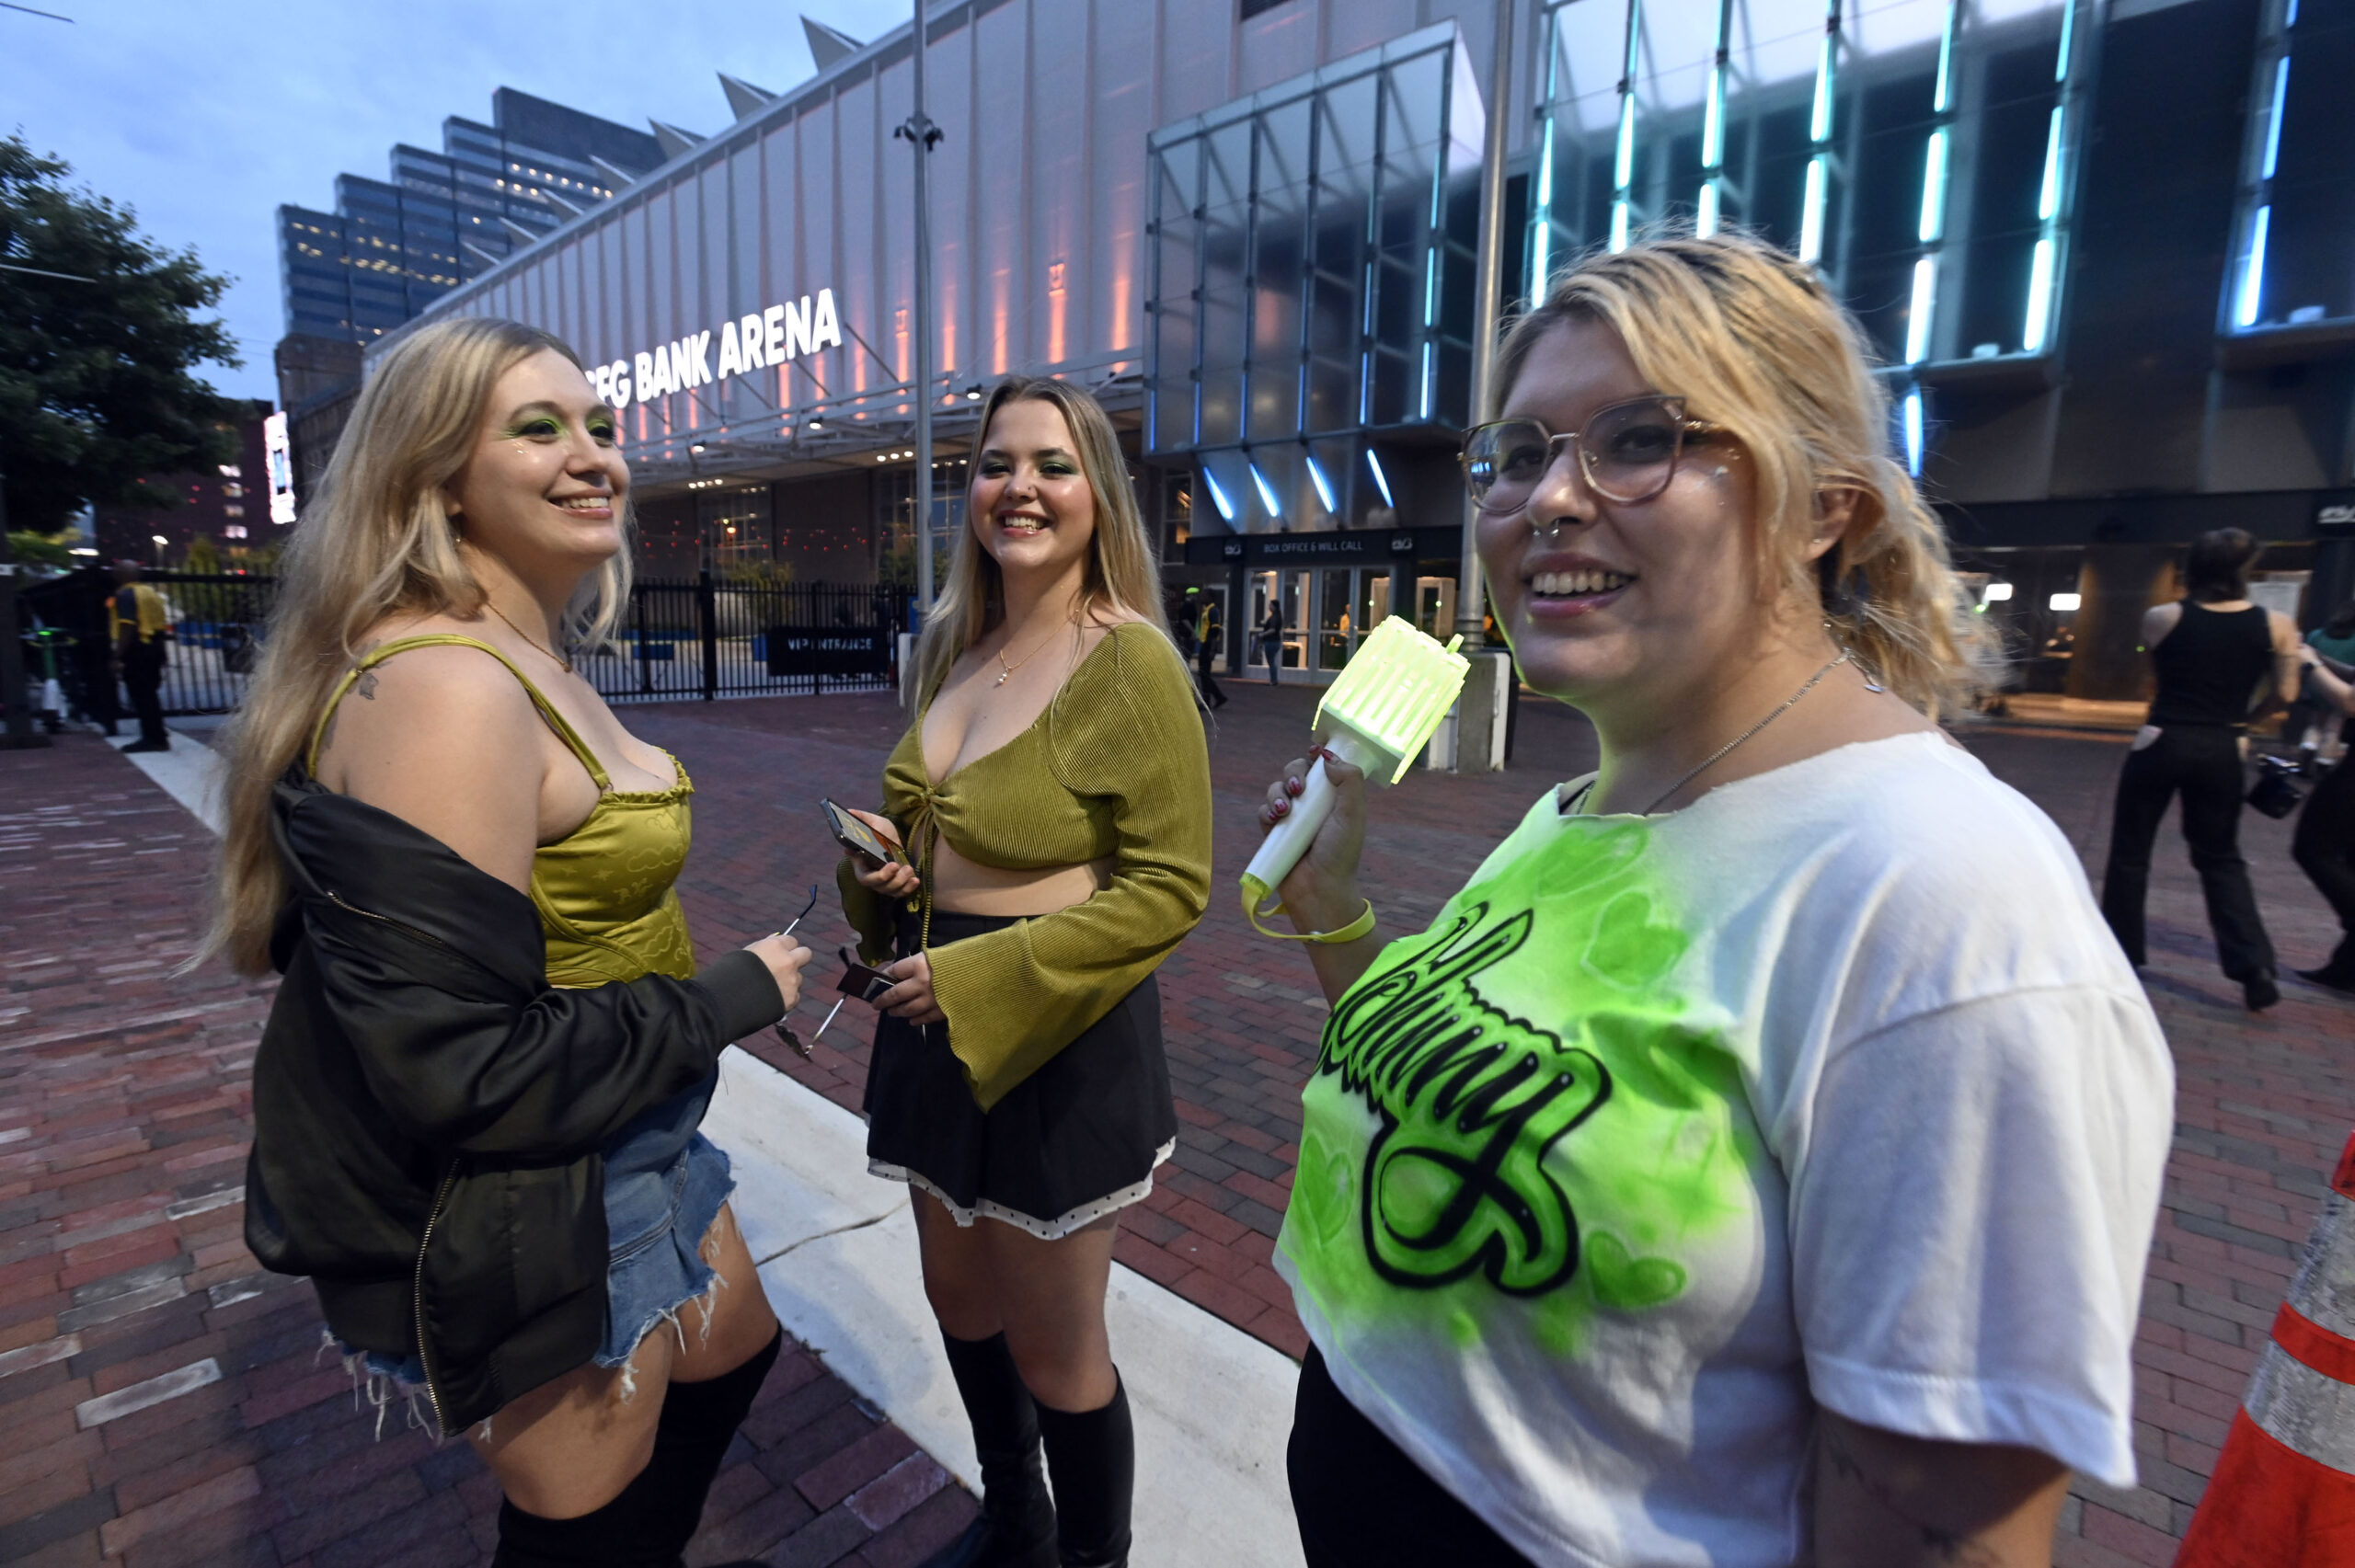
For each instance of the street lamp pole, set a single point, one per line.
(1489, 267)
(921, 135)
(1476, 723)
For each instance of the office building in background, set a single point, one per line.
(392, 246)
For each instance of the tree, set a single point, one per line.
(95, 383)
(40, 550)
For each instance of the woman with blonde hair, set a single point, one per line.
(1054, 794)
(476, 1100)
(1755, 1163)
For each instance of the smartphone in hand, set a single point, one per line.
(861, 981)
(856, 837)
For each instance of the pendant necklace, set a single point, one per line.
(526, 636)
(1006, 670)
(1714, 758)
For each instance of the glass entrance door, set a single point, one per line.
(1293, 592)
(1336, 625)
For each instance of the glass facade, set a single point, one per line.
(1312, 256)
(391, 247)
(2294, 261)
(1919, 153)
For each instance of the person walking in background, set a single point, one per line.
(2324, 844)
(477, 1099)
(1756, 1161)
(1055, 793)
(2320, 731)
(141, 633)
(1205, 632)
(2212, 650)
(1271, 635)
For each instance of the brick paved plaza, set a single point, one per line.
(165, 1403)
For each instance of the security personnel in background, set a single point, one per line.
(141, 630)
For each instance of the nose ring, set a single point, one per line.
(1549, 531)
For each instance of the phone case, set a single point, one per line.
(856, 836)
(861, 981)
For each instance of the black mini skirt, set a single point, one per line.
(1071, 1143)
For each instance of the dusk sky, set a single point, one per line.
(204, 117)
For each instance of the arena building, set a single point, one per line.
(2102, 249)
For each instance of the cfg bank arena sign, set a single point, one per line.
(753, 342)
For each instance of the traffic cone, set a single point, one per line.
(2283, 1494)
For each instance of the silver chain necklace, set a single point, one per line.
(1714, 758)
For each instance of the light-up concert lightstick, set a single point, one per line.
(1376, 716)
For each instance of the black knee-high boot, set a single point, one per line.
(1017, 1528)
(1092, 1455)
(691, 1438)
(598, 1538)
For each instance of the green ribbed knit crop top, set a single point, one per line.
(1116, 767)
(603, 891)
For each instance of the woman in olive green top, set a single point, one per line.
(1053, 795)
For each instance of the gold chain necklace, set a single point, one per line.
(526, 635)
(1006, 670)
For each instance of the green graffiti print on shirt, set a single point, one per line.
(1560, 1162)
(1471, 1098)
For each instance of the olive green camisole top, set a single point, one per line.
(1115, 767)
(603, 891)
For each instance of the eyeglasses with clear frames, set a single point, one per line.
(1627, 454)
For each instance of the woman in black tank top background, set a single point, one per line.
(2210, 651)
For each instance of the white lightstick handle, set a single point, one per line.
(1293, 832)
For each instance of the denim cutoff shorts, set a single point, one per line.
(664, 1185)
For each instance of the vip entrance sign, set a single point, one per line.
(746, 343)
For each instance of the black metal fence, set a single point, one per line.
(704, 637)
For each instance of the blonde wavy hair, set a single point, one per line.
(377, 542)
(1756, 344)
(1122, 574)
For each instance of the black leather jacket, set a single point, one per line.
(427, 1110)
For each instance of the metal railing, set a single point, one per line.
(701, 637)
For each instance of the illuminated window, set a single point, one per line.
(2295, 227)
(1917, 153)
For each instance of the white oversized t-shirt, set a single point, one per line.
(1832, 1087)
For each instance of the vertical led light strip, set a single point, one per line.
(1913, 432)
(2044, 262)
(1713, 127)
(2252, 291)
(1623, 165)
(1541, 231)
(1541, 214)
(1267, 491)
(1218, 496)
(1324, 486)
(2248, 298)
(1435, 258)
(1819, 136)
(1930, 227)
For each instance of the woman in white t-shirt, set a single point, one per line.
(1754, 1163)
